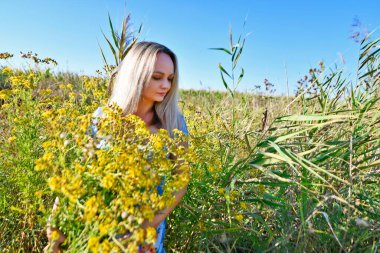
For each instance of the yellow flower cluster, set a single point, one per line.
(110, 189)
(7, 71)
(205, 142)
(24, 81)
(45, 161)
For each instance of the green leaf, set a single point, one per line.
(235, 61)
(225, 84)
(240, 76)
(112, 31)
(311, 117)
(13, 208)
(223, 70)
(369, 73)
(103, 56)
(369, 57)
(222, 49)
(268, 183)
(111, 47)
(372, 164)
(368, 46)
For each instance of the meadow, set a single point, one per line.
(272, 173)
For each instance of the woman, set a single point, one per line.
(146, 85)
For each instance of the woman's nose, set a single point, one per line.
(166, 84)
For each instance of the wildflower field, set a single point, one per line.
(268, 173)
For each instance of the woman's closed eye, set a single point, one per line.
(157, 78)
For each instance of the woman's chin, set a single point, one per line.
(160, 99)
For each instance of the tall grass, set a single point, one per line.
(309, 183)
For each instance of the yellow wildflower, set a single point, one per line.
(103, 228)
(243, 205)
(42, 208)
(79, 168)
(54, 235)
(48, 156)
(46, 91)
(7, 71)
(151, 235)
(93, 244)
(143, 131)
(40, 165)
(132, 247)
(221, 191)
(5, 94)
(138, 235)
(54, 183)
(108, 181)
(11, 139)
(157, 143)
(47, 144)
(91, 208)
(201, 225)
(5, 106)
(72, 95)
(47, 114)
(106, 246)
(61, 111)
(239, 217)
(39, 193)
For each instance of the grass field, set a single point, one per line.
(272, 174)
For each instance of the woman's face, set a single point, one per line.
(161, 81)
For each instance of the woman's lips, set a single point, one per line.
(162, 94)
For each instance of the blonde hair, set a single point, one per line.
(133, 75)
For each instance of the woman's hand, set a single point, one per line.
(54, 245)
(55, 242)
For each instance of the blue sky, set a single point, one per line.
(286, 37)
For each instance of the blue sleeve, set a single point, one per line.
(183, 126)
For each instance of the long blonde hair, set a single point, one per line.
(134, 74)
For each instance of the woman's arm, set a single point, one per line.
(161, 215)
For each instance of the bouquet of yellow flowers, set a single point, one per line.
(107, 183)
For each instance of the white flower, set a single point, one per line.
(362, 223)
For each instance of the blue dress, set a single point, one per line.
(159, 246)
